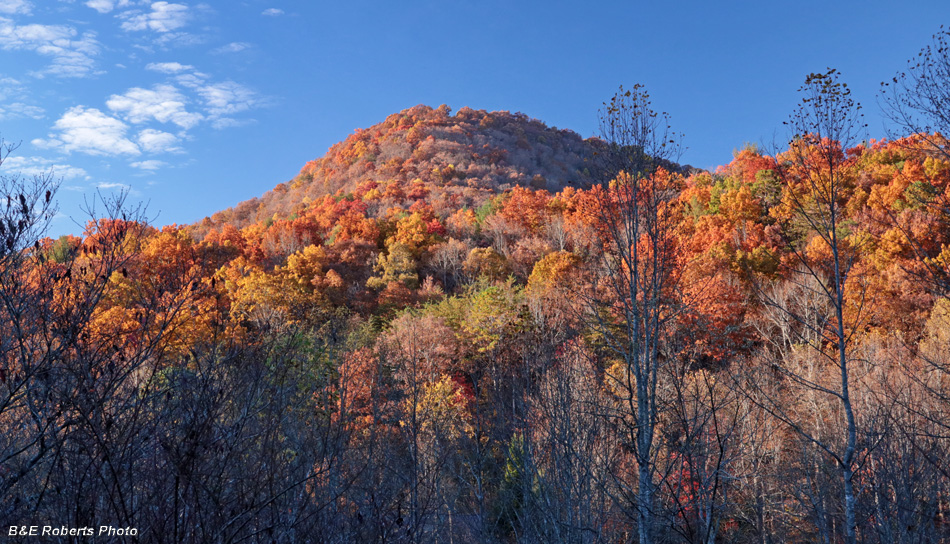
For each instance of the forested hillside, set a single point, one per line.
(476, 328)
(452, 161)
(463, 159)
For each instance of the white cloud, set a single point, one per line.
(164, 17)
(156, 141)
(151, 165)
(229, 122)
(272, 12)
(15, 101)
(105, 6)
(162, 103)
(71, 56)
(112, 185)
(19, 110)
(227, 98)
(15, 6)
(8, 85)
(50, 143)
(168, 67)
(88, 130)
(33, 35)
(102, 6)
(179, 39)
(193, 80)
(39, 166)
(220, 100)
(233, 47)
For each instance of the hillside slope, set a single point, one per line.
(456, 160)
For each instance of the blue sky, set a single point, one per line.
(196, 106)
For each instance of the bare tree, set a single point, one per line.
(26, 209)
(815, 172)
(917, 100)
(571, 453)
(419, 349)
(633, 297)
(701, 431)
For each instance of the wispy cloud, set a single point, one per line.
(88, 130)
(19, 110)
(39, 166)
(163, 17)
(15, 101)
(73, 55)
(162, 103)
(193, 80)
(222, 123)
(8, 85)
(228, 98)
(113, 186)
(221, 99)
(272, 12)
(233, 47)
(13, 7)
(156, 141)
(105, 6)
(168, 67)
(179, 39)
(150, 165)
(187, 99)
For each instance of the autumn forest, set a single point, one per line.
(470, 326)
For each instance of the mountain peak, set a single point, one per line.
(460, 159)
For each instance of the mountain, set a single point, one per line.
(456, 160)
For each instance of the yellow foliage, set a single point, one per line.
(933, 347)
(485, 261)
(552, 271)
(398, 265)
(306, 266)
(740, 205)
(441, 412)
(412, 232)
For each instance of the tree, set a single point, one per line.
(633, 299)
(570, 454)
(420, 349)
(397, 266)
(917, 98)
(81, 345)
(701, 432)
(823, 265)
(26, 208)
(446, 260)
